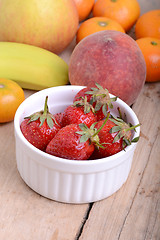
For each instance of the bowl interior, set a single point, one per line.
(58, 99)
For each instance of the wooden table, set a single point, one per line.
(132, 213)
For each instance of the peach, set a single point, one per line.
(112, 59)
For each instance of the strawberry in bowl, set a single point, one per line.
(39, 128)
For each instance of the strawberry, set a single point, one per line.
(113, 137)
(80, 112)
(58, 117)
(82, 94)
(40, 127)
(99, 98)
(71, 142)
(75, 141)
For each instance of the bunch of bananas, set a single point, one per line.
(32, 67)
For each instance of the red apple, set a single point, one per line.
(112, 59)
(50, 24)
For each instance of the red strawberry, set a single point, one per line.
(72, 142)
(99, 98)
(82, 94)
(58, 117)
(75, 141)
(113, 137)
(40, 128)
(80, 112)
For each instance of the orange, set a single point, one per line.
(126, 12)
(84, 8)
(150, 48)
(11, 96)
(148, 25)
(97, 24)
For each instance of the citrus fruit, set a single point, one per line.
(97, 24)
(84, 8)
(11, 96)
(148, 25)
(126, 12)
(150, 48)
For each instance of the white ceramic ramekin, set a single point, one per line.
(69, 181)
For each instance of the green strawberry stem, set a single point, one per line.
(42, 116)
(131, 128)
(83, 102)
(124, 118)
(91, 133)
(102, 98)
(106, 119)
(101, 95)
(45, 111)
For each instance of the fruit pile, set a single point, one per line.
(84, 130)
(31, 40)
(122, 16)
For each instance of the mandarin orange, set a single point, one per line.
(97, 24)
(148, 25)
(84, 8)
(126, 12)
(150, 48)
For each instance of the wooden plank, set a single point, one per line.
(143, 220)
(114, 217)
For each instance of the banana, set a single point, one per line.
(32, 67)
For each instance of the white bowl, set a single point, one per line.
(69, 181)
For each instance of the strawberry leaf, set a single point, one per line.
(98, 106)
(105, 110)
(85, 133)
(101, 97)
(42, 116)
(83, 102)
(33, 117)
(136, 139)
(91, 92)
(50, 122)
(93, 126)
(42, 119)
(84, 138)
(99, 86)
(83, 127)
(117, 137)
(80, 132)
(115, 129)
(126, 141)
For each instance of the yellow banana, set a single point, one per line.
(32, 67)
